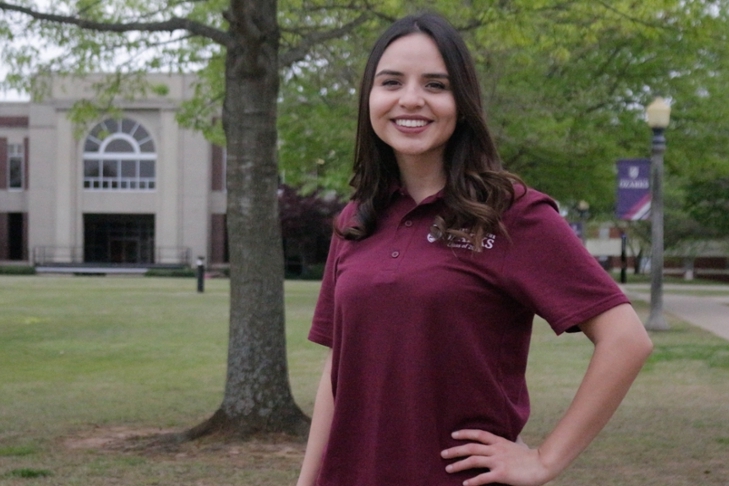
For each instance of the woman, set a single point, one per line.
(439, 264)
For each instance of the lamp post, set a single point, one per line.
(623, 257)
(200, 274)
(583, 211)
(658, 115)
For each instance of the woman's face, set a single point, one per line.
(412, 108)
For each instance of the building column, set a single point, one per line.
(168, 229)
(66, 209)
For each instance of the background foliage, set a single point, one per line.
(564, 82)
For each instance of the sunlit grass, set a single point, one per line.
(79, 354)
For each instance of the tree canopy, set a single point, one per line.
(564, 81)
(565, 84)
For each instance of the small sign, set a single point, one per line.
(633, 189)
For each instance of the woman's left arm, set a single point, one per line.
(621, 347)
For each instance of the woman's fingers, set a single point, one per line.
(481, 440)
(504, 461)
(476, 453)
(465, 450)
(470, 462)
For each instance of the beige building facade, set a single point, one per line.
(138, 191)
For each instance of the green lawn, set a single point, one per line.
(87, 361)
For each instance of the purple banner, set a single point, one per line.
(634, 189)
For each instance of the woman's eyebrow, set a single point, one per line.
(388, 72)
(436, 75)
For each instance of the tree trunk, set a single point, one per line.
(257, 397)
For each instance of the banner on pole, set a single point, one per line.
(633, 189)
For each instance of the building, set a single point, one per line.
(133, 192)
(705, 259)
(140, 191)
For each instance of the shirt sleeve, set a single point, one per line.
(322, 328)
(548, 269)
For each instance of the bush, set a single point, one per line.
(306, 229)
(308, 272)
(17, 270)
(171, 272)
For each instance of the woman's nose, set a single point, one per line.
(411, 97)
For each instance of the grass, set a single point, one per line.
(88, 362)
(30, 473)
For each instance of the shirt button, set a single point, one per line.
(408, 223)
(395, 254)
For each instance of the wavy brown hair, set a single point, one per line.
(477, 191)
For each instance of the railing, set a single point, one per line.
(43, 255)
(120, 183)
(64, 255)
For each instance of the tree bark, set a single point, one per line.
(257, 396)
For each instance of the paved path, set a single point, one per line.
(710, 312)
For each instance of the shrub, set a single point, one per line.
(171, 272)
(17, 270)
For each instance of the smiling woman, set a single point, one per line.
(437, 269)
(412, 110)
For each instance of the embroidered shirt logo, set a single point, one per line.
(459, 242)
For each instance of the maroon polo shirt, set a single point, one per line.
(430, 337)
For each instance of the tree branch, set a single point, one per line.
(89, 7)
(631, 18)
(300, 51)
(171, 25)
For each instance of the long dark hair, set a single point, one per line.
(477, 189)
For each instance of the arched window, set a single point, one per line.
(119, 155)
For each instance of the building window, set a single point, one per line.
(217, 176)
(119, 155)
(15, 166)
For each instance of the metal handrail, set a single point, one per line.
(45, 255)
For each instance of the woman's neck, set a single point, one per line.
(421, 177)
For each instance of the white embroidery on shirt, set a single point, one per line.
(460, 242)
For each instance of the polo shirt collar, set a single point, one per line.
(401, 190)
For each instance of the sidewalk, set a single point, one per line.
(710, 312)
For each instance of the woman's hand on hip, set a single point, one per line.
(508, 462)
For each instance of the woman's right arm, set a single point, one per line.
(321, 422)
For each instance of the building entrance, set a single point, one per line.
(17, 237)
(13, 236)
(119, 238)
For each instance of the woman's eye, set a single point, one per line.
(436, 86)
(390, 82)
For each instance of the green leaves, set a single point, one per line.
(564, 82)
(317, 119)
(707, 201)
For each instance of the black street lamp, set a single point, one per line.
(200, 274)
(583, 212)
(658, 115)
